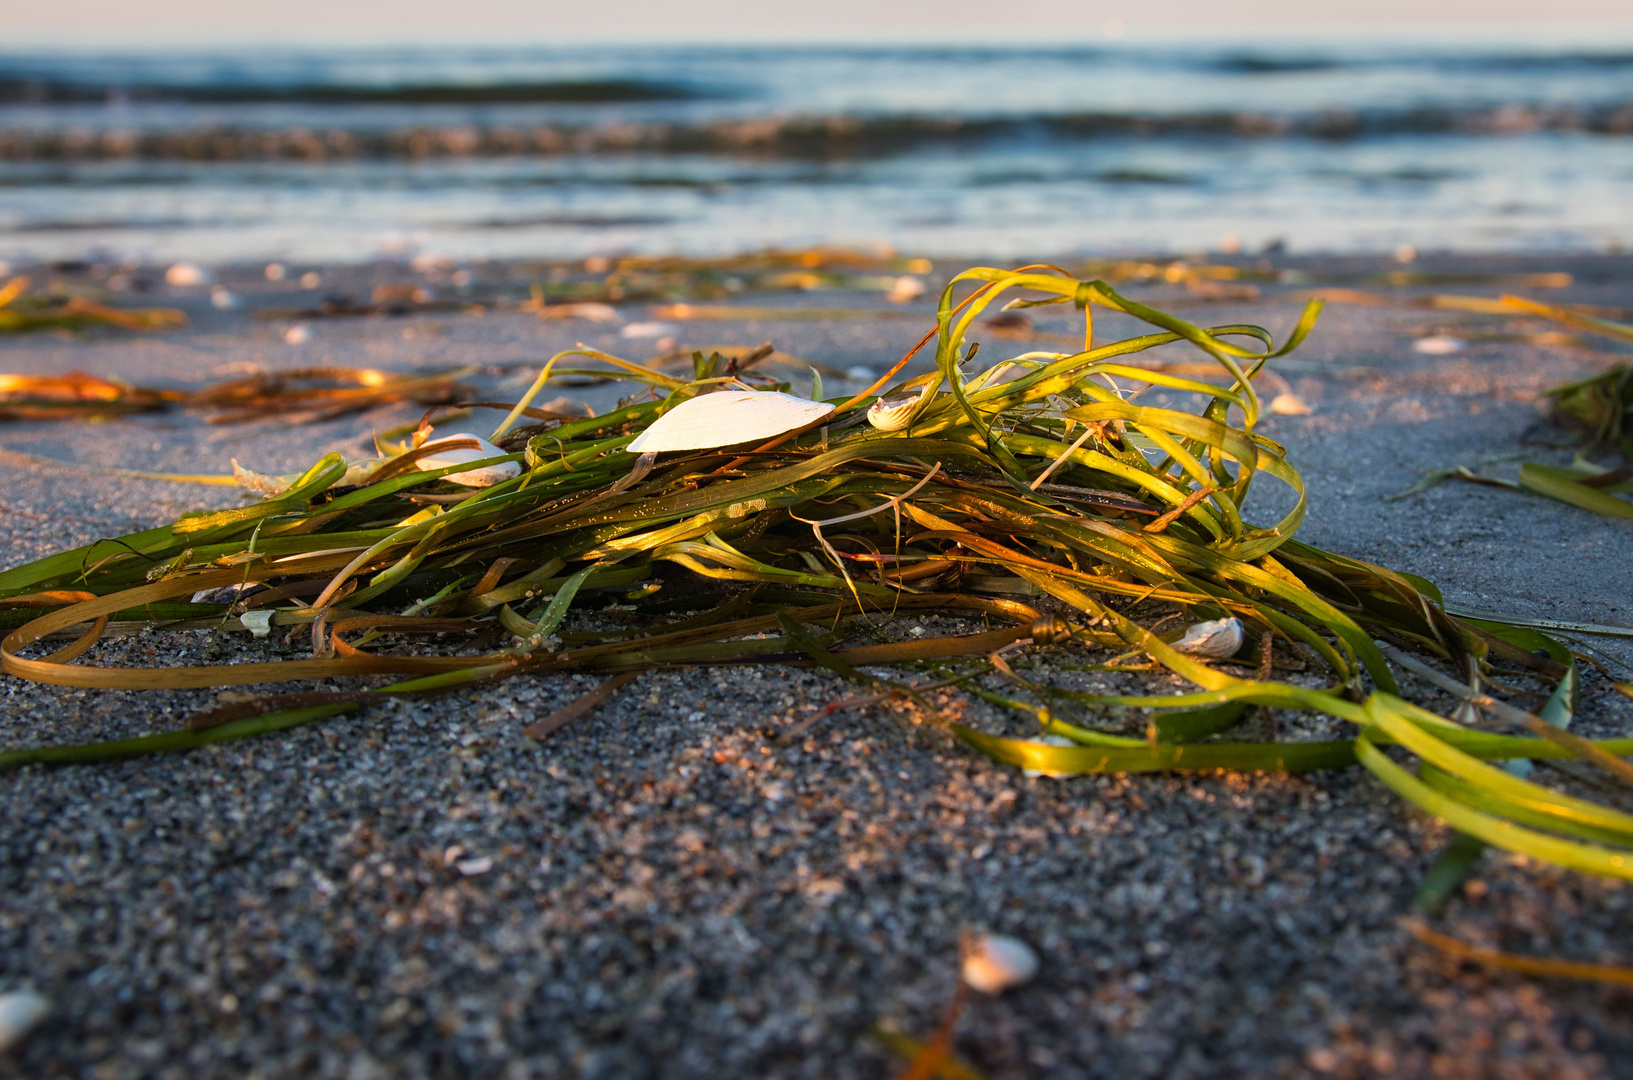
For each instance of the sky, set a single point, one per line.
(100, 23)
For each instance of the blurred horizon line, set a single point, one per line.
(1592, 35)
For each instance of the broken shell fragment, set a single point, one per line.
(1219, 638)
(257, 622)
(726, 418)
(21, 1011)
(485, 477)
(995, 963)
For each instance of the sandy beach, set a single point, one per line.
(663, 890)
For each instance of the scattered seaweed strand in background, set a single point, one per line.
(299, 396)
(1529, 965)
(354, 558)
(1599, 408)
(22, 311)
(76, 395)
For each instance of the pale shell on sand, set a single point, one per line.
(484, 477)
(1219, 639)
(21, 1011)
(1048, 740)
(187, 275)
(726, 418)
(995, 963)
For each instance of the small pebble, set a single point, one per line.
(587, 310)
(905, 288)
(1439, 345)
(997, 962)
(1289, 405)
(275, 271)
(297, 335)
(647, 329)
(21, 1011)
(186, 275)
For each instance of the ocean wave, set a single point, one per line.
(1496, 62)
(26, 91)
(818, 137)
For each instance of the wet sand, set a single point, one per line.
(418, 890)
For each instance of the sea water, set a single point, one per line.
(313, 156)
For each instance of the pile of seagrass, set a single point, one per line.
(1037, 477)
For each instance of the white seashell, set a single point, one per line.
(1439, 345)
(586, 310)
(223, 298)
(905, 288)
(487, 477)
(297, 335)
(1048, 740)
(1289, 405)
(1219, 638)
(257, 622)
(647, 329)
(186, 275)
(20, 1013)
(997, 962)
(893, 414)
(427, 261)
(726, 418)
